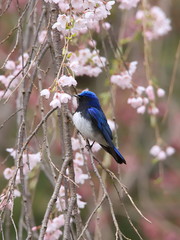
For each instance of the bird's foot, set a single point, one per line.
(88, 145)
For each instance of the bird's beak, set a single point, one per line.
(75, 95)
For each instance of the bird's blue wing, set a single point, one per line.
(100, 121)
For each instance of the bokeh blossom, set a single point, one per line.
(161, 153)
(156, 22)
(124, 79)
(144, 99)
(13, 75)
(128, 4)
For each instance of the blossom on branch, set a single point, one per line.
(86, 15)
(86, 62)
(67, 81)
(124, 79)
(45, 93)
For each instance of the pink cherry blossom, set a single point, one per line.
(12, 152)
(67, 81)
(80, 26)
(45, 93)
(77, 4)
(31, 160)
(145, 100)
(154, 110)
(140, 90)
(16, 193)
(170, 151)
(79, 159)
(93, 72)
(62, 191)
(132, 67)
(92, 43)
(161, 92)
(64, 97)
(22, 60)
(55, 103)
(59, 221)
(75, 143)
(80, 203)
(150, 93)
(161, 155)
(80, 177)
(62, 21)
(155, 150)
(8, 173)
(10, 65)
(3, 80)
(124, 79)
(64, 6)
(106, 25)
(141, 109)
(53, 232)
(101, 12)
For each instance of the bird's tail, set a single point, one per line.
(115, 153)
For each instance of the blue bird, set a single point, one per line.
(91, 122)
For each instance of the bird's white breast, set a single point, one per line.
(85, 128)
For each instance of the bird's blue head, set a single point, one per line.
(88, 99)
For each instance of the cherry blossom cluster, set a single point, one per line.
(61, 203)
(161, 153)
(12, 75)
(60, 97)
(53, 231)
(30, 161)
(124, 79)
(53, 228)
(128, 4)
(86, 62)
(156, 22)
(145, 98)
(79, 16)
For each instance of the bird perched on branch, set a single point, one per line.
(91, 122)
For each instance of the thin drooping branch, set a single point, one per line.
(118, 232)
(21, 138)
(46, 143)
(53, 198)
(91, 216)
